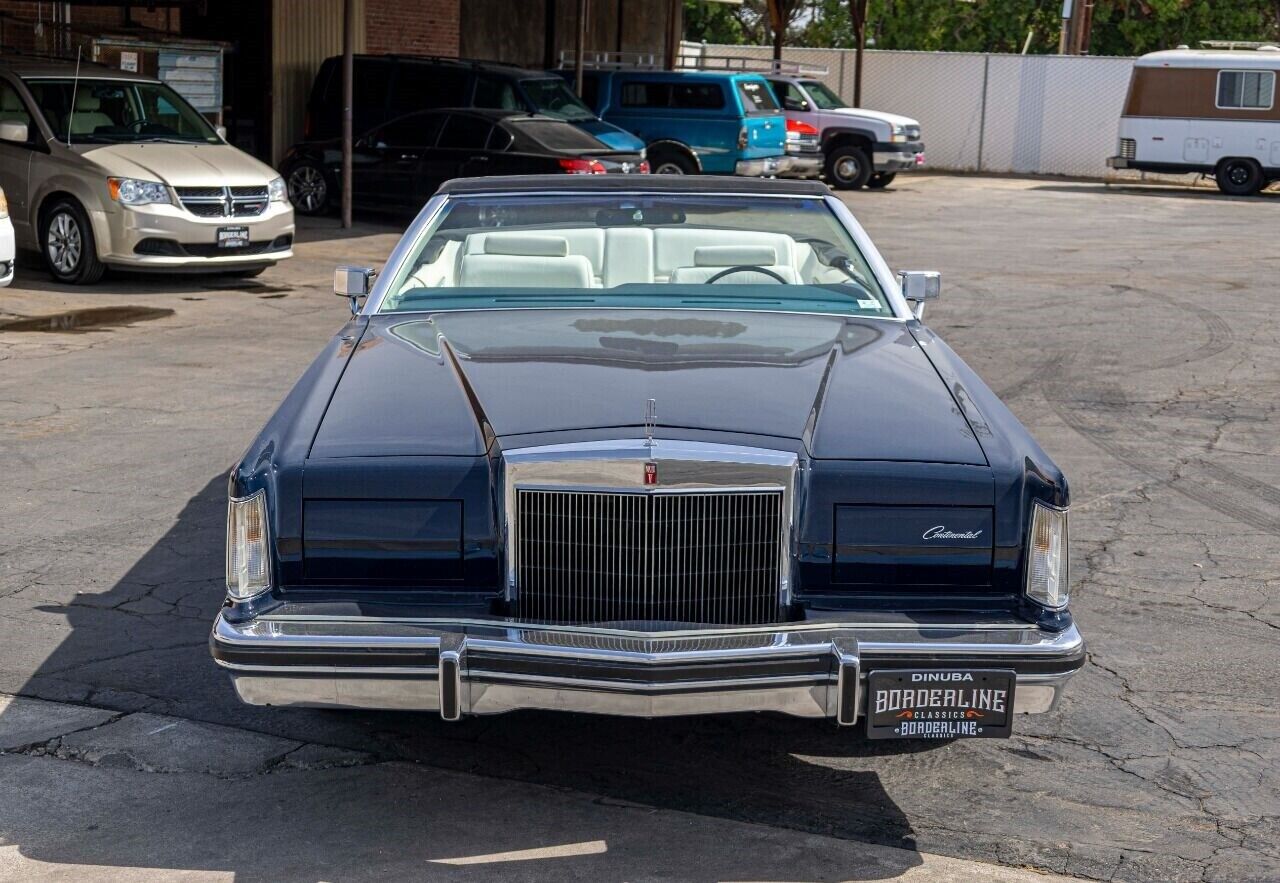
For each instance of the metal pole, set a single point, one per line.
(579, 46)
(858, 9)
(982, 114)
(348, 80)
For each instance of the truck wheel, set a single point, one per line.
(881, 180)
(671, 162)
(1240, 177)
(848, 168)
(68, 246)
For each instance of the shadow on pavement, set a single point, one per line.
(141, 647)
(1164, 191)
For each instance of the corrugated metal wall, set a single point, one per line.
(303, 34)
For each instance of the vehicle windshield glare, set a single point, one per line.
(552, 96)
(118, 111)
(680, 251)
(823, 97)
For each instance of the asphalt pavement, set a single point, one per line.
(1132, 329)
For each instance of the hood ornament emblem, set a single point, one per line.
(650, 421)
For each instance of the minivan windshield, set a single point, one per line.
(553, 97)
(822, 96)
(637, 250)
(102, 111)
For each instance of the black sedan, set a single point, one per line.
(401, 163)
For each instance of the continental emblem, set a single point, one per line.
(650, 426)
(651, 473)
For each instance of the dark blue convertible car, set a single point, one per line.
(647, 447)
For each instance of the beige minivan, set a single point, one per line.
(113, 169)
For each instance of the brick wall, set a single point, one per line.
(418, 27)
(18, 19)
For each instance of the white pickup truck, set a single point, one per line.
(859, 147)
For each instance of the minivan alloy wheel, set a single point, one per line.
(64, 243)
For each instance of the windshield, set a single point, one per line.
(116, 111)
(553, 97)
(646, 251)
(823, 97)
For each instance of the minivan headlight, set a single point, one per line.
(4, 206)
(248, 558)
(131, 191)
(279, 192)
(1047, 556)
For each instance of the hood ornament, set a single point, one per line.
(650, 421)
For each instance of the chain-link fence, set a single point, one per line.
(1032, 114)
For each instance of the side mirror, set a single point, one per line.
(353, 283)
(12, 130)
(919, 286)
(221, 132)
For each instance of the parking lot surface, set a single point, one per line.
(1132, 329)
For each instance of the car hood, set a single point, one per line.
(181, 165)
(891, 119)
(448, 383)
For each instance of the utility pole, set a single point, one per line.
(858, 12)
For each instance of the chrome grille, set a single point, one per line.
(1128, 148)
(704, 557)
(224, 202)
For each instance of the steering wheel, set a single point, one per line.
(745, 268)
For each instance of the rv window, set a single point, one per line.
(1249, 90)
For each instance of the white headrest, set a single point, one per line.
(87, 101)
(526, 244)
(735, 256)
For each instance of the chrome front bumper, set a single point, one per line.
(461, 667)
(897, 160)
(783, 166)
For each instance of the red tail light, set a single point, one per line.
(643, 168)
(579, 166)
(801, 128)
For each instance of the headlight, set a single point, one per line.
(131, 191)
(899, 133)
(4, 206)
(248, 558)
(1047, 556)
(279, 192)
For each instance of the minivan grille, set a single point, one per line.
(224, 202)
(702, 557)
(1128, 148)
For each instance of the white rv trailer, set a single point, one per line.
(1204, 110)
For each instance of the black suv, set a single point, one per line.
(389, 86)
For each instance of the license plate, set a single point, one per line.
(940, 704)
(233, 237)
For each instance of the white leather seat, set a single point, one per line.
(674, 246)
(524, 260)
(586, 241)
(711, 260)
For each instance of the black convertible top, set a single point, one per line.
(633, 183)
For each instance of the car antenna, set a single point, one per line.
(75, 84)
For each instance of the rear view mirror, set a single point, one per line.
(919, 286)
(221, 132)
(12, 130)
(353, 283)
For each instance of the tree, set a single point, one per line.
(1120, 27)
